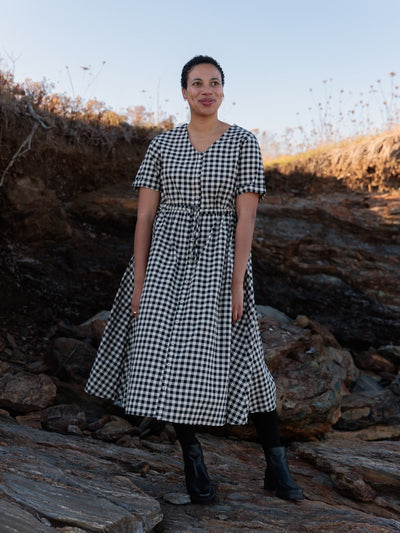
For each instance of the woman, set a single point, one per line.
(182, 343)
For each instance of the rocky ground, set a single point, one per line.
(75, 484)
(75, 463)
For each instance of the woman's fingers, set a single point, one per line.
(237, 312)
(134, 308)
(237, 301)
(135, 303)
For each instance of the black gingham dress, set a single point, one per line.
(183, 360)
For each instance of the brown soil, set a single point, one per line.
(366, 164)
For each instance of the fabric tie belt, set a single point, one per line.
(194, 211)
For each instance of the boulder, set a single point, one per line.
(24, 392)
(333, 256)
(356, 468)
(395, 385)
(360, 410)
(312, 374)
(69, 484)
(60, 417)
(116, 428)
(35, 212)
(371, 360)
(71, 358)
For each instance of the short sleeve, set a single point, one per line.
(250, 175)
(150, 170)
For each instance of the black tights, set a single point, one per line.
(266, 425)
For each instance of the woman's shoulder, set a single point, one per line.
(169, 135)
(240, 135)
(242, 132)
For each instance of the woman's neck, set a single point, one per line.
(204, 124)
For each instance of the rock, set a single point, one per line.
(391, 352)
(366, 383)
(177, 498)
(4, 368)
(395, 385)
(103, 316)
(35, 212)
(61, 417)
(274, 314)
(11, 341)
(328, 256)
(24, 392)
(311, 377)
(69, 482)
(302, 321)
(347, 482)
(71, 358)
(378, 432)
(97, 329)
(362, 409)
(355, 468)
(345, 362)
(15, 519)
(106, 208)
(74, 430)
(32, 420)
(74, 482)
(115, 429)
(373, 361)
(76, 332)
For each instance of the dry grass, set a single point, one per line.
(367, 163)
(70, 144)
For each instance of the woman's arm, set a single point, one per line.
(246, 208)
(146, 212)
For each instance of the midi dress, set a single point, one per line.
(183, 360)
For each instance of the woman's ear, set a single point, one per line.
(184, 93)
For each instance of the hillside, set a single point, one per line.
(367, 164)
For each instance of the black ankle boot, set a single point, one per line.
(278, 478)
(198, 483)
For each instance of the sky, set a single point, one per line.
(272, 52)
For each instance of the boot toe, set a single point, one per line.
(290, 494)
(207, 497)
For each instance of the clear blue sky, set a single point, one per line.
(272, 51)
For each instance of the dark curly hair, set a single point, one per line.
(199, 60)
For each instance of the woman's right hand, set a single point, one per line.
(137, 293)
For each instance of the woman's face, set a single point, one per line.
(204, 91)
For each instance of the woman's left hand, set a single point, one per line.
(237, 301)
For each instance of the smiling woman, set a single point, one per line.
(183, 342)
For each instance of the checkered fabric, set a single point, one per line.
(183, 360)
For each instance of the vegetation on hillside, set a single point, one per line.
(70, 143)
(336, 117)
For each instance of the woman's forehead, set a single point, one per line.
(204, 70)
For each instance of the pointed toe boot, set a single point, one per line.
(198, 483)
(278, 478)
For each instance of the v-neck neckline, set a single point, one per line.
(211, 145)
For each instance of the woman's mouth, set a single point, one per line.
(207, 101)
